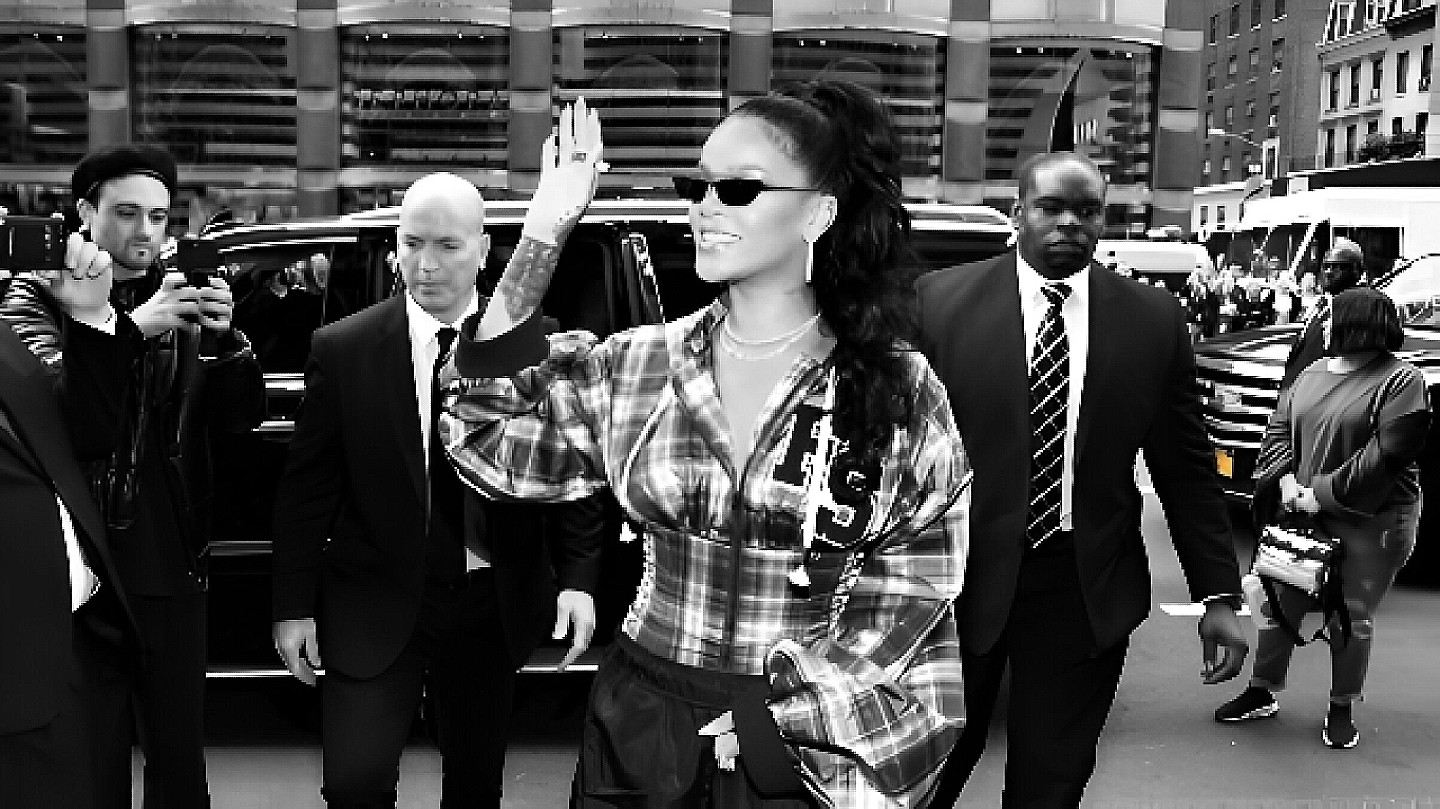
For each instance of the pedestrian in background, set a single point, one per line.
(1341, 269)
(1342, 449)
(792, 469)
(1060, 374)
(156, 487)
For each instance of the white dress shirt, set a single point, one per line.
(1076, 311)
(424, 350)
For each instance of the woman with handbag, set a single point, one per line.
(1342, 449)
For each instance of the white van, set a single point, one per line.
(1172, 262)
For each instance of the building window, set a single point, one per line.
(1277, 55)
(184, 75)
(1354, 85)
(1425, 54)
(643, 76)
(1397, 125)
(1204, 214)
(1219, 214)
(1229, 116)
(419, 97)
(1372, 127)
(1232, 67)
(1342, 14)
(1274, 120)
(1225, 168)
(1249, 108)
(1205, 168)
(1329, 148)
(1209, 120)
(1235, 20)
(1402, 68)
(1214, 28)
(1422, 122)
(1247, 159)
(1334, 102)
(1255, 13)
(1279, 9)
(44, 108)
(1025, 102)
(907, 72)
(1377, 77)
(1210, 76)
(1254, 62)
(1352, 136)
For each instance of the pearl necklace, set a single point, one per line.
(781, 343)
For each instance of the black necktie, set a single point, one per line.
(1049, 403)
(444, 547)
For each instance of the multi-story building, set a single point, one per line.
(283, 107)
(1376, 59)
(1260, 73)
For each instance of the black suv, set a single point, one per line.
(1240, 379)
(628, 263)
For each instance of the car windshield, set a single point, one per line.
(1415, 289)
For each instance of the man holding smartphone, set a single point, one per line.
(155, 487)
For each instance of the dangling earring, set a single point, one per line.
(809, 260)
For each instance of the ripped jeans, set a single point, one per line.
(1372, 558)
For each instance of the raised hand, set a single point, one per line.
(570, 166)
(83, 288)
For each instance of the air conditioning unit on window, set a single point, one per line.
(1424, 84)
(1374, 93)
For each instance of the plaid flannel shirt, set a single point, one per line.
(865, 670)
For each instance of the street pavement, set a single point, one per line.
(1161, 749)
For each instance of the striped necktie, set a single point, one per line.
(1049, 401)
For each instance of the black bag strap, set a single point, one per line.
(1331, 597)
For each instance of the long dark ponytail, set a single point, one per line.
(864, 268)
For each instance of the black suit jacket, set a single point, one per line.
(1139, 395)
(350, 512)
(48, 423)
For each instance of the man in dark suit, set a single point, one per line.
(1342, 268)
(59, 603)
(414, 581)
(1059, 373)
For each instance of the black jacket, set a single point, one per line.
(350, 510)
(1139, 395)
(50, 420)
(160, 468)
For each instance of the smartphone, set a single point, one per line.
(198, 258)
(32, 243)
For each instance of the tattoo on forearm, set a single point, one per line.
(526, 277)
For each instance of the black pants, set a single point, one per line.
(641, 749)
(458, 657)
(51, 765)
(161, 701)
(1061, 690)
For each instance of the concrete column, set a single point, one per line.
(317, 118)
(967, 102)
(1176, 165)
(532, 45)
(751, 45)
(107, 56)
